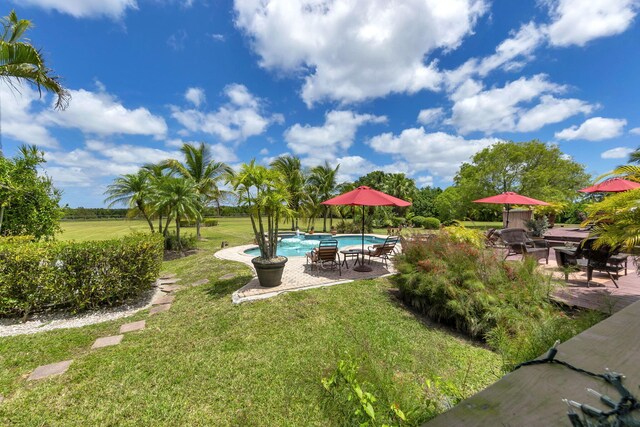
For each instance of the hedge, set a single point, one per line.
(38, 276)
(207, 222)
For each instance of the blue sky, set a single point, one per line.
(416, 86)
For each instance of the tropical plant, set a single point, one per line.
(29, 203)
(133, 190)
(616, 219)
(20, 61)
(263, 192)
(179, 198)
(157, 172)
(322, 181)
(205, 172)
(294, 178)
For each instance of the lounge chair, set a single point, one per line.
(383, 250)
(516, 241)
(325, 255)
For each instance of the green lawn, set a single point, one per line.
(208, 362)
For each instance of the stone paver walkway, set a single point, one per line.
(133, 326)
(45, 371)
(297, 275)
(159, 309)
(200, 282)
(107, 341)
(164, 299)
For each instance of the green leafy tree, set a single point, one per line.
(323, 182)
(424, 202)
(533, 169)
(179, 198)
(29, 202)
(205, 172)
(294, 178)
(134, 191)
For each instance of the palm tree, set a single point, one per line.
(205, 172)
(157, 172)
(134, 190)
(291, 170)
(323, 181)
(179, 198)
(21, 61)
(398, 185)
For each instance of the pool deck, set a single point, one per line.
(298, 275)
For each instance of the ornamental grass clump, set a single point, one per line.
(455, 281)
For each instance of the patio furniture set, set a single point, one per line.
(327, 254)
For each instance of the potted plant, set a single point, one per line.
(334, 231)
(312, 230)
(263, 192)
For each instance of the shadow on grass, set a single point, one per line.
(222, 288)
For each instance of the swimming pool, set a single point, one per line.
(299, 246)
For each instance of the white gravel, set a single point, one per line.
(50, 321)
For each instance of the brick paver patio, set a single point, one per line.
(297, 275)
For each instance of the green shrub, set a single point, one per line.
(345, 227)
(431, 223)
(418, 221)
(210, 222)
(455, 280)
(76, 276)
(13, 240)
(187, 242)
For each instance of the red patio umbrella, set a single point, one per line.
(510, 198)
(613, 185)
(365, 196)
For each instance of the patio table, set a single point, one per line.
(351, 253)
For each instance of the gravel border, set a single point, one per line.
(50, 321)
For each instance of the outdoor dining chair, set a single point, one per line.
(326, 255)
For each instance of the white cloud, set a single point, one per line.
(508, 109)
(195, 95)
(103, 114)
(217, 37)
(237, 120)
(356, 50)
(430, 116)
(617, 153)
(635, 131)
(578, 21)
(18, 118)
(439, 153)
(326, 142)
(114, 9)
(594, 129)
(177, 40)
(424, 181)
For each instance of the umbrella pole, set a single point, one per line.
(508, 209)
(362, 267)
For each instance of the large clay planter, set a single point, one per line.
(269, 271)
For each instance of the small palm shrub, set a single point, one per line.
(456, 281)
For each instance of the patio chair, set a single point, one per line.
(383, 250)
(325, 255)
(603, 259)
(516, 241)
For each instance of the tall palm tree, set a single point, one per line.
(205, 172)
(179, 198)
(291, 170)
(134, 190)
(323, 180)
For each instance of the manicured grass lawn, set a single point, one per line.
(208, 362)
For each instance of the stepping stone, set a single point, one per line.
(168, 276)
(228, 276)
(168, 281)
(165, 299)
(169, 288)
(159, 309)
(45, 371)
(133, 326)
(107, 341)
(200, 282)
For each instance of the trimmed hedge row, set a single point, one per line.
(207, 222)
(74, 276)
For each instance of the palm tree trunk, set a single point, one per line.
(1, 217)
(160, 222)
(198, 228)
(178, 231)
(324, 226)
(147, 217)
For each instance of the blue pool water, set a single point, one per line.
(299, 246)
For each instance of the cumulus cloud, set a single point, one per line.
(578, 22)
(18, 116)
(195, 95)
(438, 153)
(635, 131)
(507, 108)
(350, 51)
(617, 153)
(319, 143)
(114, 9)
(240, 118)
(103, 114)
(594, 129)
(430, 116)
